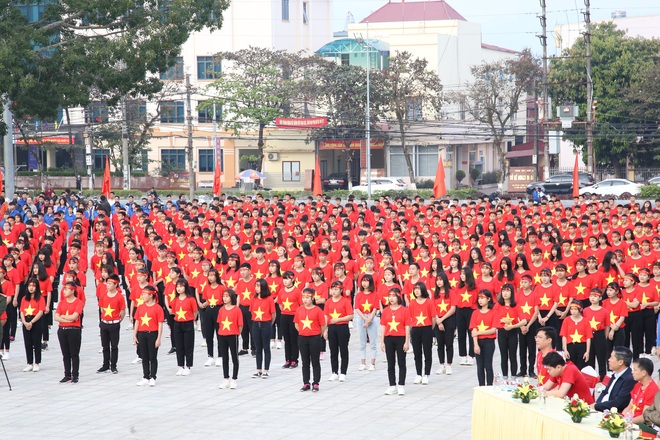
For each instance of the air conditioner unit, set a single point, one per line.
(273, 156)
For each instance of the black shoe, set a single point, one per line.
(103, 370)
(74, 380)
(294, 364)
(253, 353)
(533, 376)
(242, 352)
(315, 388)
(65, 379)
(172, 351)
(44, 346)
(287, 365)
(521, 374)
(306, 387)
(114, 370)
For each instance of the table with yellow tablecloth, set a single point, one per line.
(496, 415)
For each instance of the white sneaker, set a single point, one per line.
(418, 380)
(101, 350)
(143, 382)
(372, 367)
(179, 372)
(425, 380)
(137, 361)
(209, 362)
(272, 345)
(224, 384)
(6, 356)
(463, 361)
(350, 325)
(28, 368)
(342, 378)
(362, 367)
(440, 370)
(470, 361)
(653, 351)
(152, 382)
(218, 362)
(390, 391)
(401, 390)
(203, 342)
(333, 377)
(186, 372)
(232, 384)
(35, 368)
(199, 326)
(279, 345)
(448, 370)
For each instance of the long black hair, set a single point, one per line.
(37, 293)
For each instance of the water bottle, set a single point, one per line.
(498, 382)
(543, 396)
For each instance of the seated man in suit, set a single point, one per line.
(618, 390)
(565, 379)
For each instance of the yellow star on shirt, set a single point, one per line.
(108, 311)
(421, 319)
(194, 273)
(561, 298)
(159, 273)
(226, 324)
(394, 325)
(541, 377)
(609, 279)
(273, 287)
(296, 283)
(366, 306)
(645, 299)
(363, 268)
(424, 272)
(576, 337)
(482, 327)
(29, 311)
(580, 288)
(213, 301)
(230, 282)
(537, 278)
(258, 274)
(181, 314)
(287, 304)
(140, 301)
(307, 323)
(464, 247)
(613, 318)
(335, 314)
(202, 285)
(475, 274)
(258, 314)
(526, 308)
(443, 306)
(594, 323)
(181, 256)
(453, 283)
(406, 276)
(145, 319)
(506, 319)
(466, 296)
(545, 300)
(168, 279)
(546, 255)
(246, 294)
(635, 269)
(381, 264)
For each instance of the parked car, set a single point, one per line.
(383, 184)
(562, 183)
(654, 180)
(622, 188)
(335, 181)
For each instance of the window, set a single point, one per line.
(345, 59)
(97, 113)
(285, 10)
(143, 163)
(205, 113)
(206, 161)
(424, 159)
(136, 110)
(174, 73)
(172, 112)
(291, 171)
(174, 159)
(415, 109)
(99, 158)
(208, 68)
(305, 17)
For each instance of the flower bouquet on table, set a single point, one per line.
(525, 392)
(613, 422)
(577, 408)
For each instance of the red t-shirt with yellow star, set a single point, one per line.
(541, 370)
(635, 294)
(576, 332)
(289, 301)
(597, 319)
(526, 304)
(366, 302)
(230, 321)
(467, 299)
(565, 293)
(483, 321)
(507, 315)
(616, 311)
(338, 309)
(245, 290)
(443, 305)
(422, 315)
(65, 307)
(582, 286)
(148, 317)
(111, 307)
(546, 297)
(310, 321)
(647, 293)
(641, 398)
(183, 310)
(262, 309)
(213, 295)
(394, 322)
(32, 307)
(230, 277)
(275, 285)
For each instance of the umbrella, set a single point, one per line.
(251, 174)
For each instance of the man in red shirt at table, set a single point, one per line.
(644, 391)
(565, 379)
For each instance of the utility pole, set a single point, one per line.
(124, 145)
(88, 155)
(368, 117)
(546, 112)
(10, 172)
(590, 90)
(189, 148)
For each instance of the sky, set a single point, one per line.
(511, 23)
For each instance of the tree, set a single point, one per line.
(495, 95)
(617, 65)
(643, 98)
(258, 85)
(411, 90)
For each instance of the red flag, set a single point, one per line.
(105, 188)
(576, 179)
(217, 184)
(317, 188)
(439, 188)
(1, 187)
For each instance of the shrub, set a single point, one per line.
(474, 174)
(650, 192)
(460, 175)
(425, 184)
(118, 192)
(491, 177)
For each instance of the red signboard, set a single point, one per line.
(301, 122)
(355, 145)
(59, 140)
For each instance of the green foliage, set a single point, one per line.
(474, 174)
(491, 177)
(651, 192)
(425, 184)
(460, 175)
(118, 192)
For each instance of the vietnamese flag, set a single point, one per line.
(576, 179)
(439, 188)
(217, 184)
(105, 188)
(317, 188)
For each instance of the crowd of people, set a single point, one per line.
(402, 275)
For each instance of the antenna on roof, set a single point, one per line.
(349, 20)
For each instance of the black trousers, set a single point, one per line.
(553, 320)
(290, 338)
(32, 341)
(210, 328)
(649, 326)
(261, 332)
(310, 351)
(277, 325)
(422, 343)
(338, 337)
(9, 328)
(619, 339)
(169, 317)
(395, 354)
(47, 322)
(184, 336)
(527, 345)
(229, 344)
(70, 338)
(463, 316)
(599, 352)
(148, 353)
(246, 333)
(508, 343)
(445, 339)
(110, 344)
(485, 362)
(635, 333)
(577, 351)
